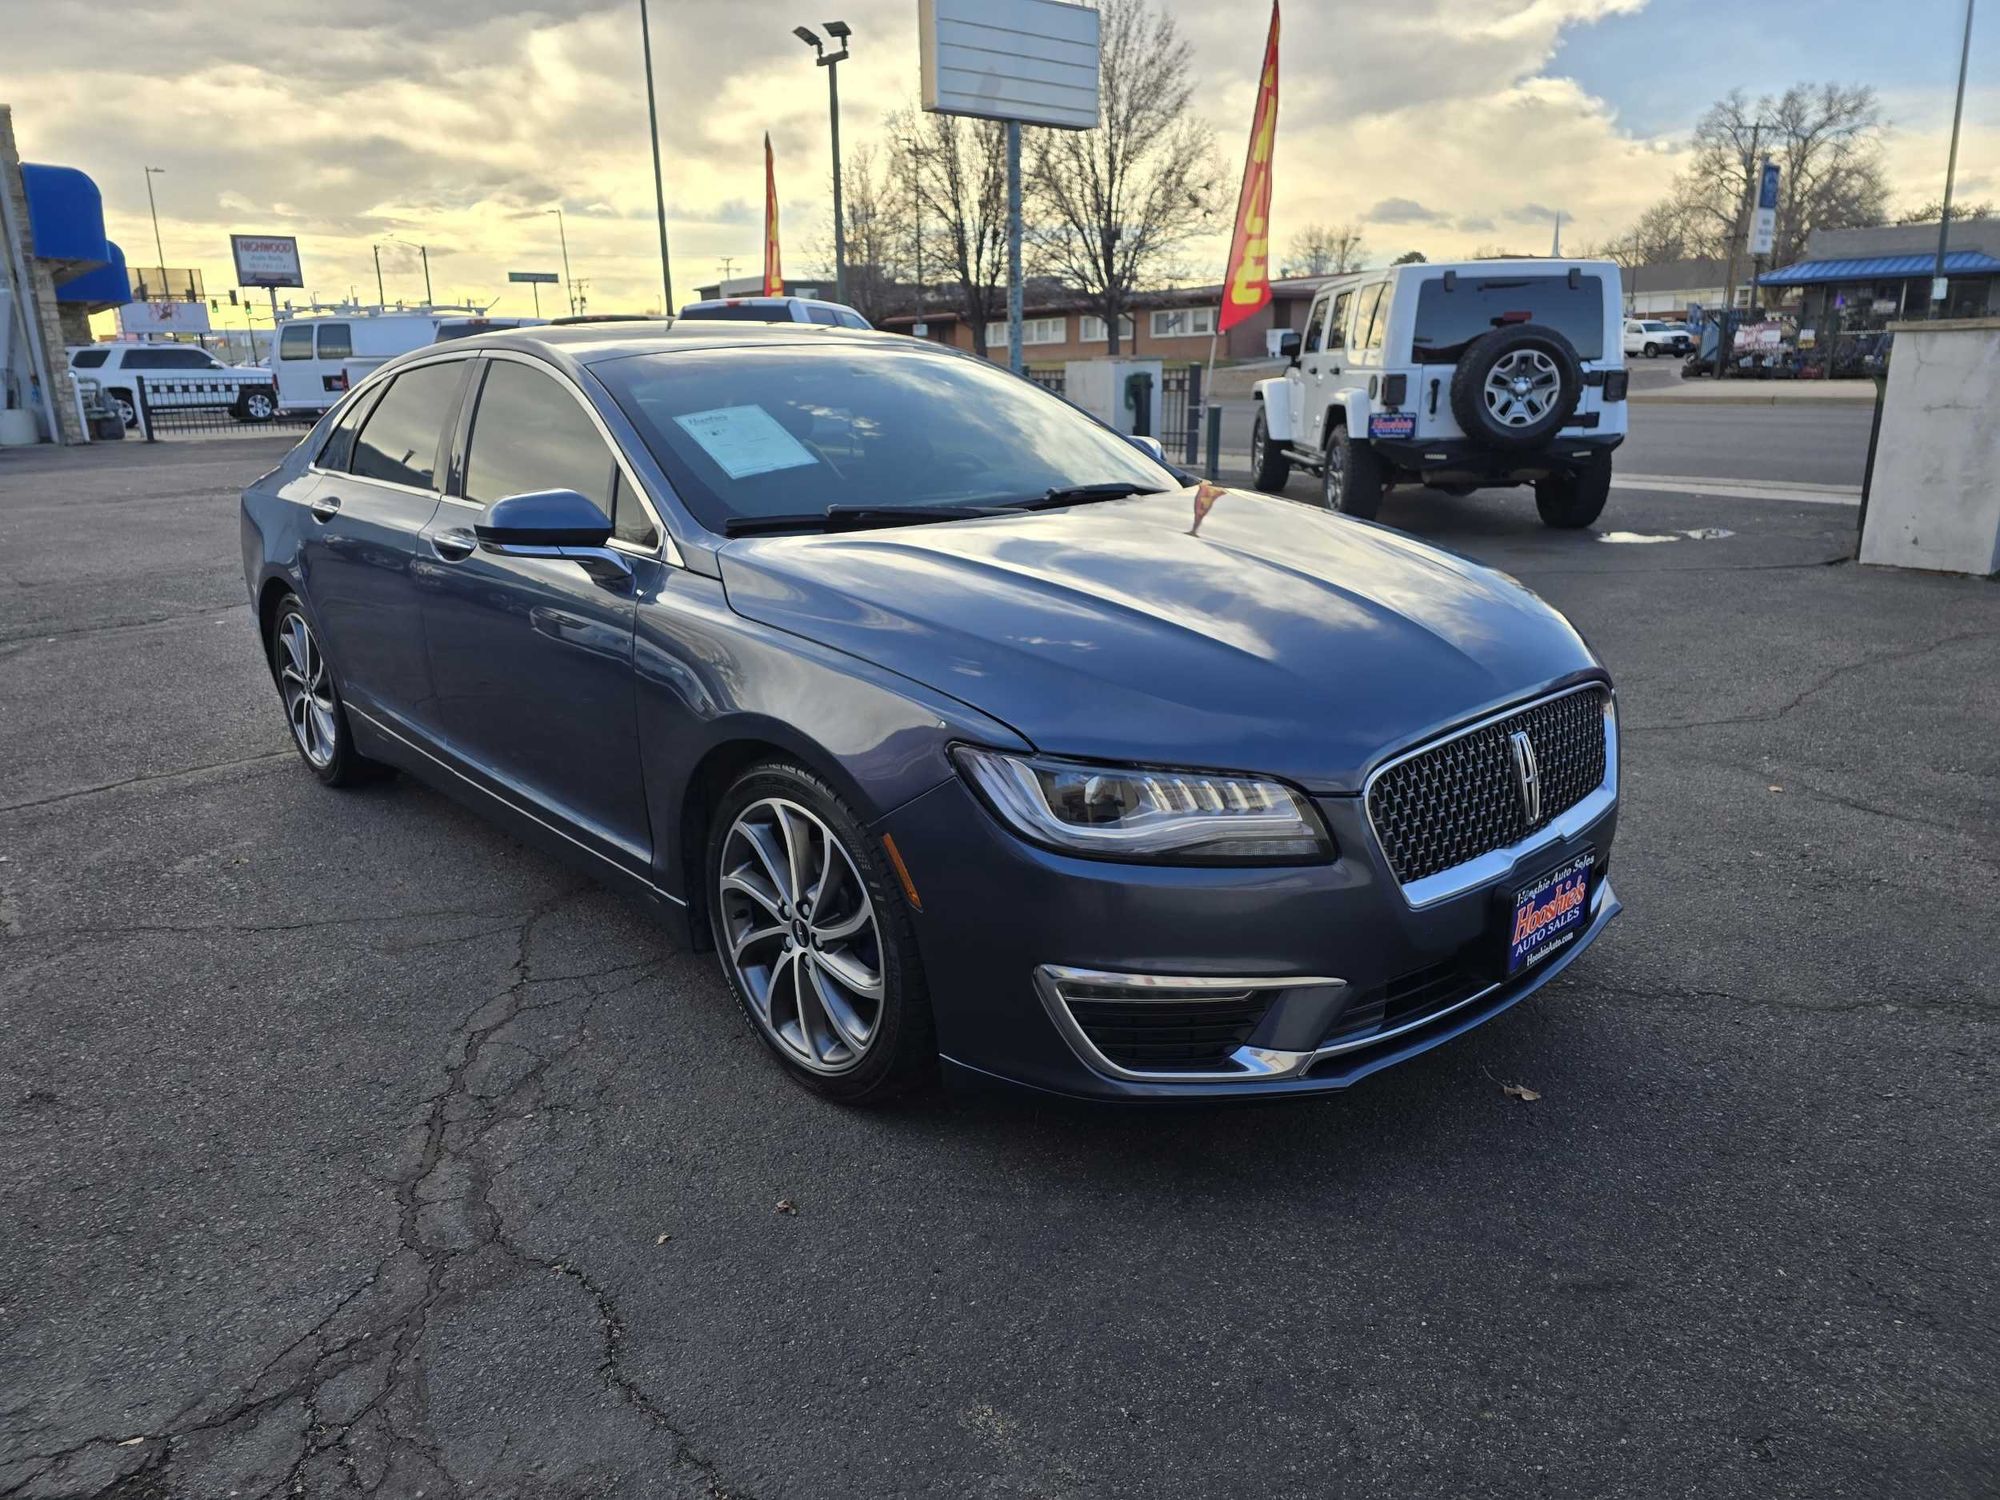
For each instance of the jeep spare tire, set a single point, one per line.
(1514, 387)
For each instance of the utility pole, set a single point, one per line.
(424, 254)
(1938, 284)
(1014, 360)
(158, 249)
(659, 182)
(727, 264)
(1726, 333)
(569, 286)
(381, 297)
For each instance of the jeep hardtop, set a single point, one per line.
(1457, 375)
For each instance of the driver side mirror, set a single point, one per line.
(543, 518)
(1288, 345)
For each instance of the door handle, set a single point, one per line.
(454, 546)
(325, 507)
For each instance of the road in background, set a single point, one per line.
(1817, 443)
(348, 1145)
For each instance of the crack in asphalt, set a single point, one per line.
(12, 645)
(146, 780)
(1805, 695)
(451, 1244)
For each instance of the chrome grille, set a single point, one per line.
(1462, 798)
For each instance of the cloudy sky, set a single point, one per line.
(1441, 125)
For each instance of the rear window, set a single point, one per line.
(1449, 320)
(742, 312)
(87, 359)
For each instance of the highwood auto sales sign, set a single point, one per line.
(266, 260)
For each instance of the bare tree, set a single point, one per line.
(1320, 250)
(1827, 141)
(880, 227)
(1116, 206)
(1410, 258)
(955, 171)
(1932, 211)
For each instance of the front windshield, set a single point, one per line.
(754, 431)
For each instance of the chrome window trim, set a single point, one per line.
(1251, 1063)
(1486, 868)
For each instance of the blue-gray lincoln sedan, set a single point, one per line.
(961, 727)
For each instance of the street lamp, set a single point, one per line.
(840, 32)
(569, 286)
(151, 173)
(659, 182)
(1939, 286)
(424, 253)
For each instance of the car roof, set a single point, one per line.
(580, 344)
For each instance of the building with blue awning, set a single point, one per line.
(1855, 281)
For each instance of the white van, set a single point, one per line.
(320, 355)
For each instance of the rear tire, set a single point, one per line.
(127, 409)
(1350, 481)
(318, 719)
(838, 993)
(1269, 468)
(258, 404)
(1570, 500)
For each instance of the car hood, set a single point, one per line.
(1272, 638)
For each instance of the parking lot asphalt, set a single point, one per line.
(348, 1146)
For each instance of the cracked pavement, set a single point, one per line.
(349, 1148)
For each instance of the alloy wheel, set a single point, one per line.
(801, 935)
(1333, 474)
(308, 691)
(260, 406)
(1522, 387)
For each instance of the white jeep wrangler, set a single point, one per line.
(1456, 376)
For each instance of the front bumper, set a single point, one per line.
(1005, 927)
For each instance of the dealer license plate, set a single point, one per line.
(1549, 912)
(1392, 424)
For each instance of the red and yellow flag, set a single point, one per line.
(1246, 285)
(774, 276)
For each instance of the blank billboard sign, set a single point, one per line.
(1034, 61)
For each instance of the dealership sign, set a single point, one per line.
(266, 260)
(1032, 61)
(1764, 226)
(163, 317)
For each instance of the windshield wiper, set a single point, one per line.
(1083, 494)
(858, 518)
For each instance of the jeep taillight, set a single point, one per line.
(1615, 383)
(1395, 388)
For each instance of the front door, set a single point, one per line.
(363, 536)
(1320, 371)
(532, 656)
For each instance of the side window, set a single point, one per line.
(852, 320)
(336, 341)
(87, 359)
(1315, 326)
(1375, 308)
(1336, 326)
(824, 315)
(399, 439)
(296, 342)
(630, 521)
(339, 449)
(528, 433)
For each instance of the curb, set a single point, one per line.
(1747, 398)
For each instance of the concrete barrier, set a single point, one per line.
(1934, 498)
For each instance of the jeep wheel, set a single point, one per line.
(1350, 481)
(1516, 386)
(1571, 499)
(1269, 468)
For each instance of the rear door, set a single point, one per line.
(376, 490)
(533, 656)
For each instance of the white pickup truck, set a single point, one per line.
(1455, 375)
(174, 375)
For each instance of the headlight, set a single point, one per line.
(1155, 816)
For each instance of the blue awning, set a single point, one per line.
(66, 214)
(1880, 268)
(100, 290)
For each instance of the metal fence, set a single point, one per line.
(156, 407)
(1180, 411)
(1050, 380)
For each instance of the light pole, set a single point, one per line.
(151, 173)
(659, 182)
(569, 286)
(1938, 286)
(381, 299)
(840, 32)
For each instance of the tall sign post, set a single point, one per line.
(535, 280)
(269, 261)
(1023, 62)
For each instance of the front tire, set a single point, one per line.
(1570, 500)
(318, 720)
(1350, 481)
(1652, 351)
(1268, 465)
(816, 938)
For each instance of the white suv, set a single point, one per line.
(777, 310)
(176, 375)
(1453, 375)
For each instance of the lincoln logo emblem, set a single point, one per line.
(1527, 776)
